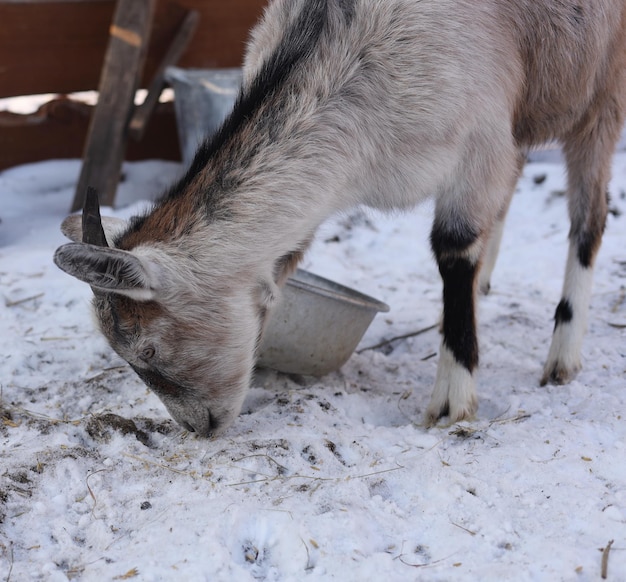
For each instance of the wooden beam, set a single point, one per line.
(108, 131)
(177, 48)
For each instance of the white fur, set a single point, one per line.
(564, 357)
(454, 389)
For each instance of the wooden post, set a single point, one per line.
(174, 52)
(108, 130)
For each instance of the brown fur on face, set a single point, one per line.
(121, 318)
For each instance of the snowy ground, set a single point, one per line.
(334, 479)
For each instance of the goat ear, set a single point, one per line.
(109, 270)
(72, 227)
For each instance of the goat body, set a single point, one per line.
(364, 102)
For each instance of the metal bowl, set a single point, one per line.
(315, 326)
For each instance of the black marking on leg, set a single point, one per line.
(587, 244)
(588, 238)
(564, 313)
(451, 238)
(459, 322)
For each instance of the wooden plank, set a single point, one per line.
(179, 44)
(58, 46)
(59, 128)
(106, 140)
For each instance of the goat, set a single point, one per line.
(379, 103)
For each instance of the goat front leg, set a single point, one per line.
(457, 251)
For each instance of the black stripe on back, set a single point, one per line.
(297, 45)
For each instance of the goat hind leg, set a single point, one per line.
(588, 156)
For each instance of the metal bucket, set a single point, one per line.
(316, 326)
(202, 100)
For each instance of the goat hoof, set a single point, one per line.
(558, 374)
(457, 413)
(432, 416)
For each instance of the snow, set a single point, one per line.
(328, 479)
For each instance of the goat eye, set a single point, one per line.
(147, 353)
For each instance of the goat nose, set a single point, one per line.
(187, 426)
(200, 422)
(204, 428)
(214, 423)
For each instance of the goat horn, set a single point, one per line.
(93, 233)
